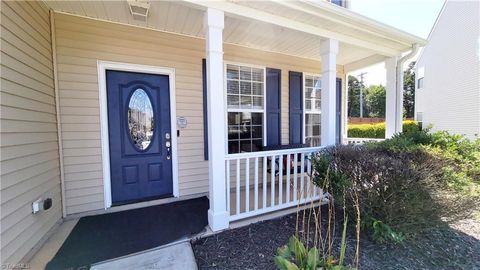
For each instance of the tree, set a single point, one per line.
(375, 101)
(409, 91)
(354, 86)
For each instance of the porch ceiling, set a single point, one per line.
(298, 29)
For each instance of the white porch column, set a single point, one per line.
(328, 54)
(218, 217)
(391, 97)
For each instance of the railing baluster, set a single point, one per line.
(238, 187)
(247, 185)
(302, 178)
(287, 185)
(264, 182)
(309, 178)
(272, 182)
(280, 179)
(295, 177)
(315, 189)
(255, 198)
(228, 186)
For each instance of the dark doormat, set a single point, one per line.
(102, 237)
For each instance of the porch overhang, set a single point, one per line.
(288, 27)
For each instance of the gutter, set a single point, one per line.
(399, 87)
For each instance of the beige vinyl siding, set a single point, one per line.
(81, 42)
(29, 146)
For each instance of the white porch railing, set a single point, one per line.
(262, 182)
(361, 140)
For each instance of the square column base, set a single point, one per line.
(218, 221)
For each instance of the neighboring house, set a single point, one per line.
(102, 106)
(447, 95)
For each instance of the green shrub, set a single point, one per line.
(458, 157)
(366, 131)
(404, 184)
(377, 130)
(392, 187)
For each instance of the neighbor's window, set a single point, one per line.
(312, 89)
(245, 108)
(420, 76)
(337, 2)
(420, 83)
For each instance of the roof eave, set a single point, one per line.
(366, 22)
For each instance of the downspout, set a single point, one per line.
(57, 109)
(399, 88)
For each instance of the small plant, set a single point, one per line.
(312, 246)
(382, 233)
(295, 256)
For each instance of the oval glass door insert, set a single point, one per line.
(141, 121)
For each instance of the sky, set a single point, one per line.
(414, 16)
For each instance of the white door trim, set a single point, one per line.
(102, 67)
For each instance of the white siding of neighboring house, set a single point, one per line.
(81, 42)
(29, 147)
(450, 98)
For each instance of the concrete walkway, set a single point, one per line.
(173, 256)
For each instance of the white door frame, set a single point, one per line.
(102, 67)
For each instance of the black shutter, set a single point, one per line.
(295, 119)
(273, 96)
(205, 110)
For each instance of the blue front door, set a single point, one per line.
(139, 134)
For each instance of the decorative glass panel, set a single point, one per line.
(141, 121)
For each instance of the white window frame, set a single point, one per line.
(304, 75)
(227, 110)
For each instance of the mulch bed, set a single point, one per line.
(254, 246)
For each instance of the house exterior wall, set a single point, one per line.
(450, 98)
(81, 42)
(29, 146)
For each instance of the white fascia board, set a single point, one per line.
(365, 22)
(322, 14)
(240, 11)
